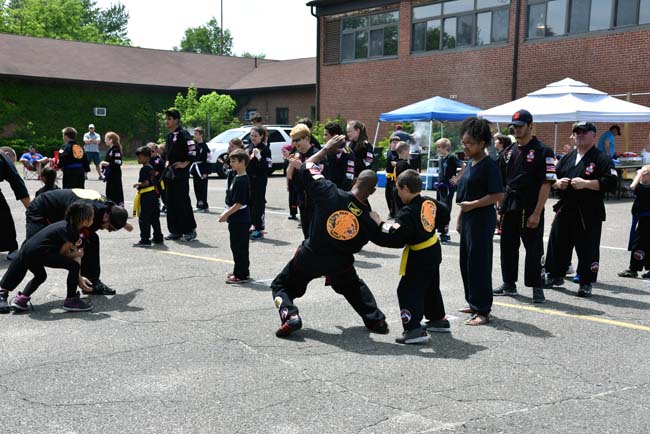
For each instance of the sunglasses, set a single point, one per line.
(297, 140)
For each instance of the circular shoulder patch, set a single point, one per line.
(87, 194)
(77, 152)
(428, 215)
(342, 225)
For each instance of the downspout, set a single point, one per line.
(515, 57)
(318, 36)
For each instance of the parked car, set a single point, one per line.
(278, 137)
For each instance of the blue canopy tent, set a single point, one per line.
(432, 109)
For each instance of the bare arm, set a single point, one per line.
(233, 209)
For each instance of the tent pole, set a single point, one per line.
(374, 142)
(430, 146)
(555, 140)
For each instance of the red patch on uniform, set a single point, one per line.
(516, 116)
(594, 267)
(639, 255)
(531, 156)
(590, 169)
(405, 315)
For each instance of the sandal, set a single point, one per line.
(477, 320)
(467, 310)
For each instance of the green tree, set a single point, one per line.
(206, 39)
(248, 55)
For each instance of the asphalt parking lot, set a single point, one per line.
(179, 351)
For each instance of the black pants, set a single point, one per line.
(180, 217)
(201, 191)
(514, 230)
(570, 229)
(293, 199)
(114, 190)
(149, 217)
(8, 241)
(445, 195)
(476, 233)
(74, 178)
(640, 246)
(19, 267)
(418, 291)
(258, 201)
(239, 243)
(90, 265)
(306, 214)
(339, 272)
(390, 200)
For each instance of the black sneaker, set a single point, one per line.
(77, 304)
(292, 217)
(627, 273)
(4, 306)
(380, 327)
(415, 336)
(585, 290)
(438, 326)
(292, 324)
(550, 282)
(538, 295)
(141, 243)
(646, 275)
(445, 239)
(173, 237)
(100, 288)
(158, 241)
(191, 236)
(505, 289)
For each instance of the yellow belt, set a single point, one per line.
(162, 184)
(136, 201)
(390, 175)
(420, 246)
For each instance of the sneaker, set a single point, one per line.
(158, 241)
(233, 280)
(576, 278)
(12, 255)
(4, 306)
(189, 236)
(292, 217)
(21, 302)
(553, 281)
(100, 288)
(570, 270)
(142, 243)
(627, 273)
(163, 210)
(585, 290)
(415, 336)
(505, 289)
(538, 295)
(438, 325)
(292, 324)
(257, 235)
(380, 327)
(173, 237)
(77, 304)
(445, 239)
(646, 275)
(201, 210)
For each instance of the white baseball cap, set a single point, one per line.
(91, 126)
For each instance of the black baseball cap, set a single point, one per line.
(521, 117)
(584, 125)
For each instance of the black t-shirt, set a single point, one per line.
(49, 240)
(448, 167)
(479, 180)
(52, 205)
(9, 173)
(238, 191)
(641, 199)
(179, 147)
(315, 143)
(147, 174)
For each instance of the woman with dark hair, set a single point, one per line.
(479, 188)
(339, 167)
(258, 170)
(361, 148)
(113, 168)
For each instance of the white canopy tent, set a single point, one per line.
(570, 101)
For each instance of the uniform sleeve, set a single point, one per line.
(241, 191)
(190, 151)
(404, 231)
(608, 178)
(117, 157)
(494, 181)
(549, 164)
(10, 174)
(443, 215)
(65, 155)
(267, 157)
(311, 179)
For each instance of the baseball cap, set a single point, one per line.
(521, 117)
(584, 125)
(91, 126)
(394, 137)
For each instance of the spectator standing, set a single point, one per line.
(92, 139)
(112, 166)
(607, 141)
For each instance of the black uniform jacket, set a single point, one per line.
(179, 147)
(9, 173)
(52, 205)
(259, 168)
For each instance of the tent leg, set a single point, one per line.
(555, 140)
(374, 142)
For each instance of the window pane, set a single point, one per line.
(390, 41)
(536, 20)
(464, 31)
(347, 47)
(275, 135)
(418, 36)
(450, 33)
(376, 43)
(483, 28)
(433, 35)
(579, 20)
(644, 12)
(427, 11)
(355, 23)
(500, 23)
(555, 17)
(456, 6)
(481, 4)
(601, 14)
(387, 18)
(626, 12)
(361, 45)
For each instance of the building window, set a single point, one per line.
(561, 17)
(281, 115)
(249, 114)
(369, 36)
(459, 23)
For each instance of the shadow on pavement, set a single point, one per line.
(373, 255)
(567, 308)
(366, 265)
(617, 289)
(272, 242)
(612, 301)
(527, 329)
(52, 310)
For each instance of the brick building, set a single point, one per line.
(378, 55)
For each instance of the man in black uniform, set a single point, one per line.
(339, 167)
(341, 226)
(9, 173)
(181, 151)
(584, 175)
(73, 160)
(50, 207)
(528, 170)
(300, 135)
(391, 161)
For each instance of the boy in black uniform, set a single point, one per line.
(9, 173)
(60, 245)
(447, 168)
(258, 171)
(145, 205)
(639, 243)
(300, 135)
(158, 164)
(72, 160)
(338, 167)
(528, 170)
(238, 216)
(418, 291)
(400, 166)
(584, 175)
(341, 226)
(199, 170)
(391, 157)
(181, 151)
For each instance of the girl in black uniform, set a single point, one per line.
(113, 169)
(361, 148)
(258, 171)
(479, 188)
(639, 243)
(199, 171)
